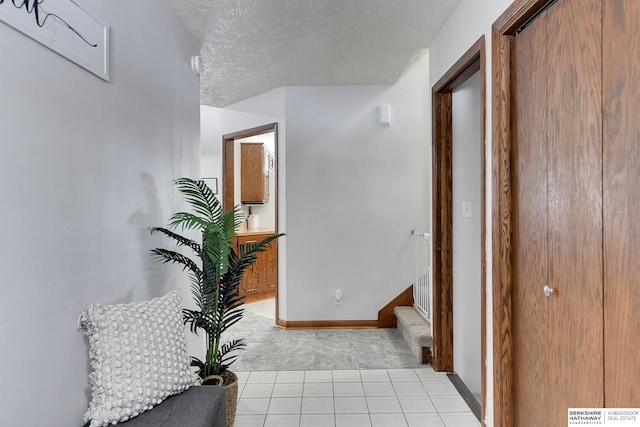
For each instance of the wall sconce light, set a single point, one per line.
(384, 115)
(196, 64)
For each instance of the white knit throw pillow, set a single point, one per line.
(138, 355)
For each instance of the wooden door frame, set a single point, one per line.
(503, 33)
(228, 178)
(470, 63)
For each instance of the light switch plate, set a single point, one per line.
(467, 211)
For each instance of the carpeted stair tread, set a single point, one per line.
(415, 330)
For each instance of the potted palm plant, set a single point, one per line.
(215, 279)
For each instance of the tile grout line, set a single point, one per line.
(335, 415)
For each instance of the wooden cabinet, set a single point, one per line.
(260, 280)
(255, 165)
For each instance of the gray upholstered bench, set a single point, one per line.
(199, 406)
(138, 355)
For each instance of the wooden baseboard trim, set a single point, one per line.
(327, 324)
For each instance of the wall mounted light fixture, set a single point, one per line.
(196, 64)
(384, 115)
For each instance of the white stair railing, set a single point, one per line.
(421, 273)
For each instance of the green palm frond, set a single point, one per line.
(230, 221)
(200, 197)
(217, 247)
(198, 363)
(215, 277)
(167, 256)
(225, 357)
(180, 240)
(193, 319)
(231, 317)
(188, 221)
(239, 263)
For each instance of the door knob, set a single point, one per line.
(548, 290)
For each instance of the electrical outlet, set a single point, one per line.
(337, 297)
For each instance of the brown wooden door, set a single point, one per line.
(575, 206)
(558, 354)
(530, 259)
(621, 92)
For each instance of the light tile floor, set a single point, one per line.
(265, 308)
(320, 378)
(350, 398)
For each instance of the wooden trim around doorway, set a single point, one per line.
(472, 61)
(503, 33)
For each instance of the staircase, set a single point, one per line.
(416, 332)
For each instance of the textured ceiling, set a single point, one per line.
(251, 46)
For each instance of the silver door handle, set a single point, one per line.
(548, 290)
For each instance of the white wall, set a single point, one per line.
(350, 192)
(355, 191)
(472, 19)
(467, 233)
(211, 158)
(211, 167)
(86, 167)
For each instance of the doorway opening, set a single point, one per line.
(250, 180)
(468, 66)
